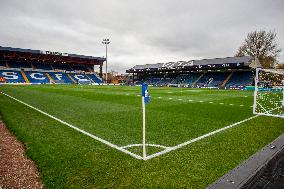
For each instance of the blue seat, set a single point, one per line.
(37, 77)
(2, 63)
(80, 77)
(239, 78)
(62, 67)
(95, 78)
(212, 79)
(20, 65)
(80, 68)
(60, 77)
(12, 76)
(43, 66)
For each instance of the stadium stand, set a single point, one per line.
(188, 78)
(65, 67)
(95, 78)
(42, 66)
(212, 79)
(60, 77)
(2, 63)
(80, 78)
(240, 79)
(12, 76)
(37, 77)
(13, 64)
(80, 68)
(45, 67)
(229, 72)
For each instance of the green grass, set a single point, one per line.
(69, 159)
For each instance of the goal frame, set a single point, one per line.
(256, 91)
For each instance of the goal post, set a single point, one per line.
(269, 92)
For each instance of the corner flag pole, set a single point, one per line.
(144, 128)
(145, 99)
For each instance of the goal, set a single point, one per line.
(269, 92)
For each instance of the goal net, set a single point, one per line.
(269, 92)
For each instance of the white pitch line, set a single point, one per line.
(169, 149)
(271, 115)
(77, 129)
(136, 145)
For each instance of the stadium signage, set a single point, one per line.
(38, 76)
(10, 75)
(54, 53)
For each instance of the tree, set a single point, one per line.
(280, 66)
(262, 45)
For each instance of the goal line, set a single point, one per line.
(123, 148)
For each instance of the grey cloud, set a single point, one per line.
(140, 31)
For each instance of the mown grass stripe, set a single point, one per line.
(169, 149)
(77, 129)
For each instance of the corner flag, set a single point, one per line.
(145, 93)
(145, 100)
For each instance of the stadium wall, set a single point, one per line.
(265, 169)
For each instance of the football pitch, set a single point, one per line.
(91, 136)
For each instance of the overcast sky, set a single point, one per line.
(141, 31)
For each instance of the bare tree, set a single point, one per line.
(262, 45)
(280, 66)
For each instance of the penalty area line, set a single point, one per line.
(77, 129)
(169, 149)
